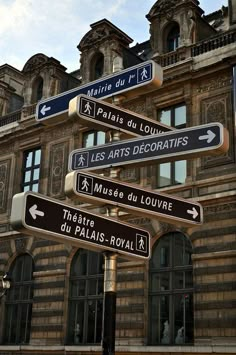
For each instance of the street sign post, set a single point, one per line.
(48, 218)
(208, 139)
(130, 82)
(104, 116)
(95, 189)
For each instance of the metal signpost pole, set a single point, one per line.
(109, 304)
(110, 279)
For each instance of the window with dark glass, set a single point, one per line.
(85, 298)
(97, 66)
(92, 138)
(173, 38)
(19, 301)
(172, 173)
(171, 291)
(31, 170)
(37, 89)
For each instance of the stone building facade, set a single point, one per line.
(184, 299)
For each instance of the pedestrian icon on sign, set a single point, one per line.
(82, 160)
(85, 184)
(144, 73)
(87, 107)
(141, 243)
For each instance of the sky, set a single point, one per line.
(55, 28)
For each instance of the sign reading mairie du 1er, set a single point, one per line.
(143, 77)
(48, 218)
(95, 189)
(104, 116)
(209, 139)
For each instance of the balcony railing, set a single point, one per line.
(221, 40)
(12, 117)
(199, 48)
(17, 116)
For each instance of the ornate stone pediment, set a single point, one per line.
(100, 32)
(166, 8)
(34, 62)
(163, 7)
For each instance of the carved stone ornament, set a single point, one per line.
(58, 156)
(95, 35)
(34, 62)
(4, 179)
(164, 8)
(20, 244)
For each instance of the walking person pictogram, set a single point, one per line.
(85, 184)
(144, 74)
(81, 160)
(141, 243)
(88, 108)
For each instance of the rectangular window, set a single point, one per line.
(172, 173)
(92, 138)
(31, 170)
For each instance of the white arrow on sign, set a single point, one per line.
(208, 137)
(44, 109)
(193, 212)
(34, 212)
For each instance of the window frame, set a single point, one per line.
(30, 170)
(95, 138)
(171, 293)
(87, 299)
(16, 301)
(173, 38)
(172, 164)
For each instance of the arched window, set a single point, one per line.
(173, 37)
(85, 298)
(171, 291)
(37, 90)
(97, 66)
(19, 301)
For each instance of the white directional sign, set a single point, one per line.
(48, 218)
(209, 139)
(144, 77)
(95, 189)
(104, 116)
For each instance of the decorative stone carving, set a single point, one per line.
(58, 160)
(138, 107)
(129, 174)
(216, 111)
(4, 180)
(163, 8)
(20, 244)
(34, 62)
(213, 84)
(219, 208)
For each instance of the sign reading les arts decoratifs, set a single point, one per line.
(208, 139)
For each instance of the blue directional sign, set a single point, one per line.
(208, 139)
(38, 215)
(130, 81)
